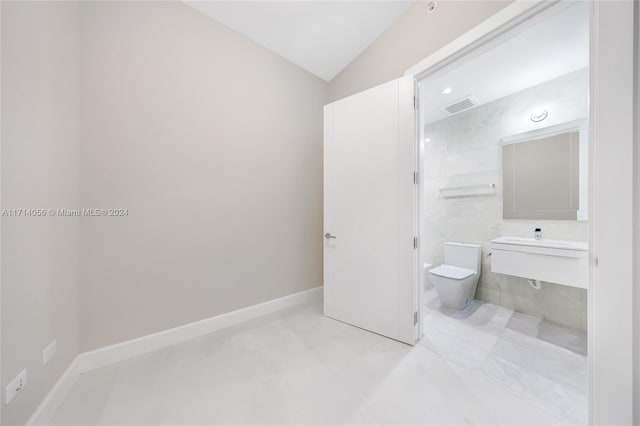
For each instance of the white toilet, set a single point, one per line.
(456, 280)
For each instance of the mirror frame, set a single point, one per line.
(582, 127)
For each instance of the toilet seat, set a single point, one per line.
(454, 272)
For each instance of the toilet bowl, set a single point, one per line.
(456, 279)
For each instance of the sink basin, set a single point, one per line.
(555, 261)
(557, 244)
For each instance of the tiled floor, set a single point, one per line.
(297, 367)
(519, 352)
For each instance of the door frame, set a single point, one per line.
(613, 65)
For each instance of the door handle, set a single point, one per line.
(328, 236)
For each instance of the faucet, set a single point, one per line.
(538, 233)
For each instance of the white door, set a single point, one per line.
(370, 213)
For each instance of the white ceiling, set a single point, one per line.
(551, 48)
(322, 37)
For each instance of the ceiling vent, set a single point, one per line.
(461, 105)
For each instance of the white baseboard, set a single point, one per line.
(50, 404)
(109, 354)
(101, 357)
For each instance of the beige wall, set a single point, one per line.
(40, 169)
(214, 144)
(413, 37)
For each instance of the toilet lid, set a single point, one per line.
(449, 271)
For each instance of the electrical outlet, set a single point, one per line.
(15, 386)
(49, 351)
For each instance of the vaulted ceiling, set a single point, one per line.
(322, 37)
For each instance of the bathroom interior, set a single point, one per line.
(504, 207)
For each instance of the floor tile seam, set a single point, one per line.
(540, 373)
(455, 361)
(481, 375)
(524, 396)
(327, 365)
(468, 342)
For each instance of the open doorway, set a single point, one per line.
(549, 231)
(504, 210)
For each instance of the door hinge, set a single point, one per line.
(415, 318)
(415, 103)
(416, 176)
(415, 242)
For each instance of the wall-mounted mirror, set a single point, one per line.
(545, 173)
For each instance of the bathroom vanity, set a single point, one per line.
(555, 261)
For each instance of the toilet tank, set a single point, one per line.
(463, 255)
